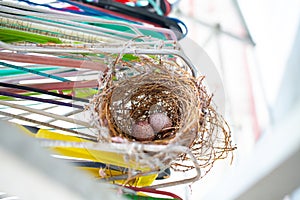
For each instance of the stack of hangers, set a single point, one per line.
(51, 55)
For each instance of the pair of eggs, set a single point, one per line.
(145, 131)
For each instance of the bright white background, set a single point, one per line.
(259, 81)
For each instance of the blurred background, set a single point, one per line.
(255, 48)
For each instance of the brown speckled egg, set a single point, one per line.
(159, 121)
(142, 131)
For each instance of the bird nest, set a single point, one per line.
(155, 100)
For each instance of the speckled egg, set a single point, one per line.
(142, 131)
(159, 121)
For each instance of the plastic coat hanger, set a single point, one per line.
(113, 27)
(138, 14)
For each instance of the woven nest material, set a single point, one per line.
(131, 91)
